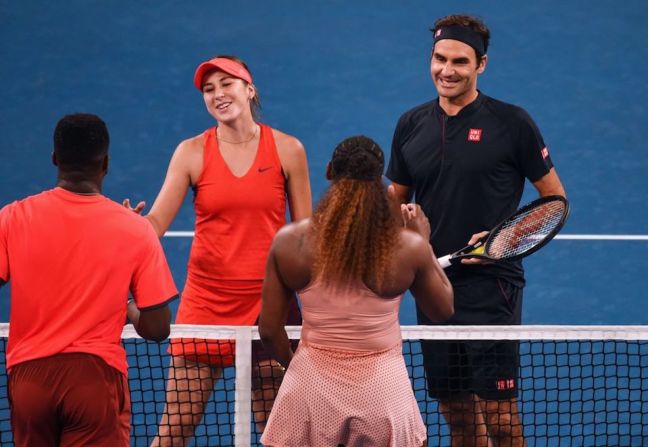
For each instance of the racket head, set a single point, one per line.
(528, 229)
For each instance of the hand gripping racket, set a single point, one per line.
(524, 232)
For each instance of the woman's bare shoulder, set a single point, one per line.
(412, 245)
(287, 143)
(293, 232)
(192, 144)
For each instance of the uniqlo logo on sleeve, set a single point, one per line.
(544, 152)
(474, 134)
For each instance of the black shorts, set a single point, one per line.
(487, 368)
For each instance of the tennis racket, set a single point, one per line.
(524, 232)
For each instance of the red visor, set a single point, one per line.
(221, 63)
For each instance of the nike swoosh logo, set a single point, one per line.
(265, 169)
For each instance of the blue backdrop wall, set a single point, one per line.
(327, 70)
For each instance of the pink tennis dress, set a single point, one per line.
(347, 383)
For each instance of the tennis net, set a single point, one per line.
(579, 385)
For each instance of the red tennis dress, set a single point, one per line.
(236, 220)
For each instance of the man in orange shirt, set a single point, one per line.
(72, 255)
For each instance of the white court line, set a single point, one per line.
(572, 237)
(179, 234)
(603, 237)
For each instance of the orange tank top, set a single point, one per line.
(236, 217)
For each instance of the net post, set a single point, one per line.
(243, 387)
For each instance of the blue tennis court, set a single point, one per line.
(328, 70)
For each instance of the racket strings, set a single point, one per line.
(526, 230)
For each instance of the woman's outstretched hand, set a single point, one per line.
(138, 208)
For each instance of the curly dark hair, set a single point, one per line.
(354, 225)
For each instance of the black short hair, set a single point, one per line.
(80, 139)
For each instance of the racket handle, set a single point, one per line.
(445, 261)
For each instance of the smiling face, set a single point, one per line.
(227, 98)
(454, 69)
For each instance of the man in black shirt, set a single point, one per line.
(465, 158)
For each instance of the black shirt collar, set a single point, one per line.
(466, 111)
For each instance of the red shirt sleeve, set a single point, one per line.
(152, 284)
(4, 245)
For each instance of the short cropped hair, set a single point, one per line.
(80, 140)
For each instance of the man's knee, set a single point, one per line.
(461, 412)
(503, 421)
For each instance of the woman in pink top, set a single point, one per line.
(347, 383)
(244, 176)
